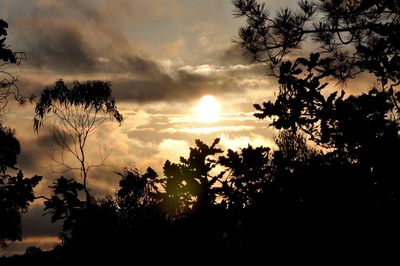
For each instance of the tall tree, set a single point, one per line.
(350, 37)
(356, 35)
(16, 191)
(360, 133)
(76, 112)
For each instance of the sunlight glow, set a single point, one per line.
(208, 110)
(208, 130)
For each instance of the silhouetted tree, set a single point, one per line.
(137, 221)
(143, 225)
(8, 82)
(77, 113)
(293, 147)
(355, 35)
(351, 181)
(248, 171)
(188, 184)
(16, 191)
(65, 203)
(137, 191)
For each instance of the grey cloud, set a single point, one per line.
(69, 49)
(183, 85)
(232, 55)
(160, 87)
(34, 152)
(35, 223)
(60, 48)
(68, 37)
(28, 160)
(143, 67)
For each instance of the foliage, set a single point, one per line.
(356, 35)
(65, 203)
(249, 170)
(301, 104)
(8, 82)
(10, 149)
(16, 191)
(6, 54)
(188, 184)
(78, 112)
(93, 96)
(136, 189)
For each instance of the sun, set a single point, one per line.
(208, 109)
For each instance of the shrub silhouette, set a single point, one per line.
(16, 191)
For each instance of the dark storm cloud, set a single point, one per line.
(33, 152)
(68, 37)
(142, 67)
(60, 48)
(161, 87)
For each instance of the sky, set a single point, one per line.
(162, 57)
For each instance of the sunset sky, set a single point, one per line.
(175, 72)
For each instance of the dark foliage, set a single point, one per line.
(65, 204)
(8, 82)
(249, 171)
(10, 149)
(355, 35)
(16, 191)
(94, 95)
(189, 184)
(6, 54)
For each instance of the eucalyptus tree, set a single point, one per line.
(76, 113)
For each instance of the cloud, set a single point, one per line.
(231, 55)
(173, 149)
(44, 242)
(208, 130)
(181, 86)
(237, 142)
(68, 37)
(33, 221)
(80, 40)
(57, 46)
